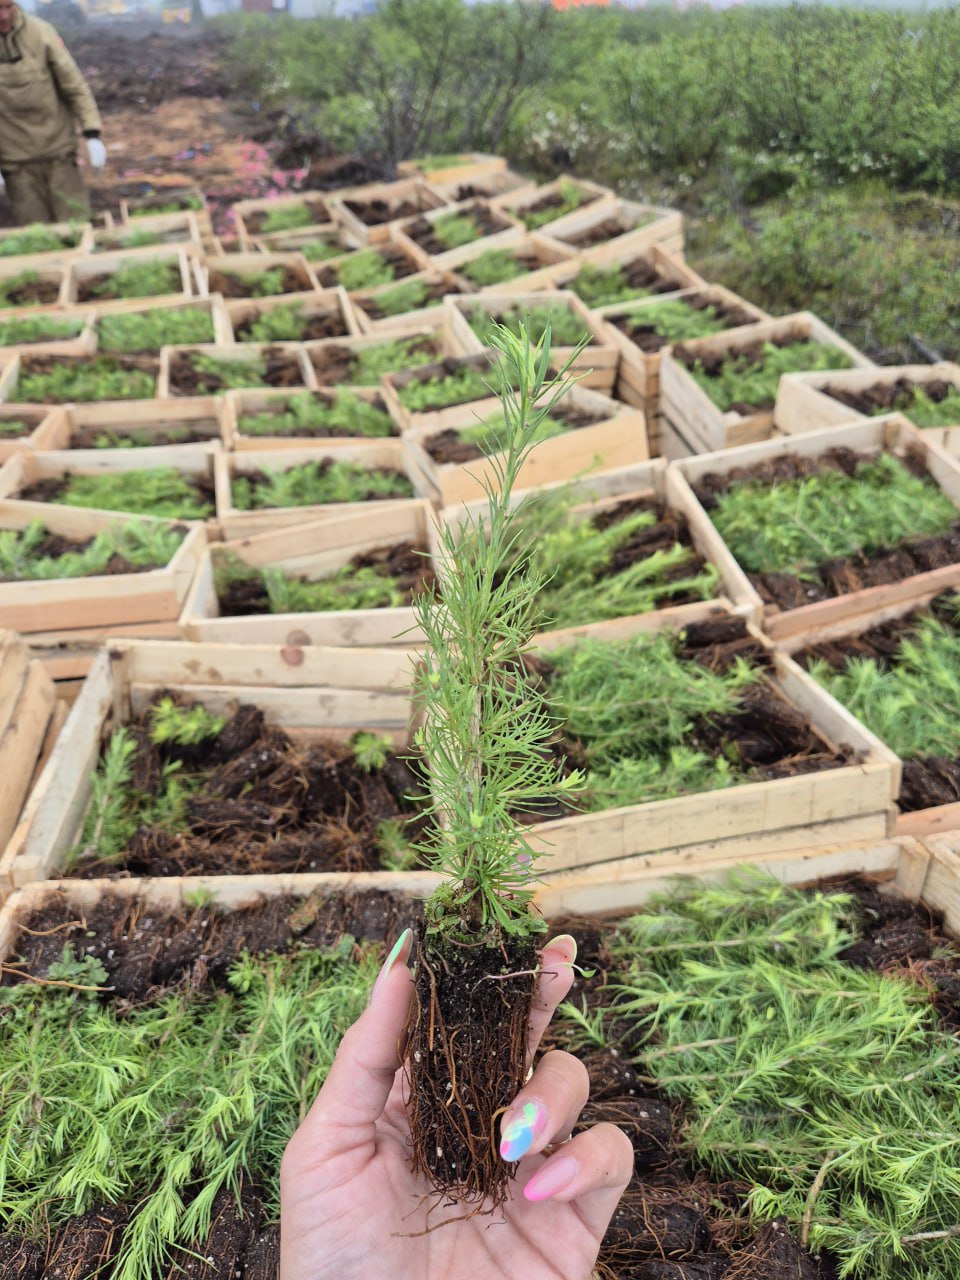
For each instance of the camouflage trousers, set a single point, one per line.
(47, 191)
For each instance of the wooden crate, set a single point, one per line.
(237, 353)
(431, 420)
(181, 229)
(635, 227)
(189, 199)
(53, 277)
(304, 690)
(465, 167)
(249, 214)
(538, 248)
(201, 415)
(83, 343)
(214, 273)
(411, 257)
(689, 407)
(242, 524)
(445, 261)
(566, 269)
(398, 200)
(651, 481)
(441, 283)
(939, 819)
(84, 608)
(892, 433)
(27, 699)
(804, 402)
(519, 203)
(82, 270)
(320, 549)
(299, 240)
(25, 469)
(81, 234)
(495, 182)
(238, 404)
(595, 366)
(20, 363)
(212, 305)
(436, 326)
(852, 801)
(42, 421)
(618, 439)
(327, 303)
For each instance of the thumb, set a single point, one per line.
(362, 1074)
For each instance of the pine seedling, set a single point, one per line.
(371, 751)
(484, 733)
(183, 726)
(492, 267)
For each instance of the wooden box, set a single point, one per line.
(521, 204)
(444, 260)
(74, 609)
(453, 169)
(41, 421)
(43, 284)
(329, 308)
(251, 215)
(182, 199)
(407, 259)
(893, 434)
(595, 366)
(305, 690)
(371, 320)
(239, 404)
(21, 364)
(145, 420)
(366, 213)
(537, 257)
(301, 240)
(684, 403)
(804, 402)
(228, 274)
(318, 550)
(436, 328)
(27, 699)
(242, 524)
(181, 229)
(82, 271)
(76, 240)
(213, 306)
(83, 343)
(668, 271)
(617, 439)
(291, 354)
(431, 420)
(603, 232)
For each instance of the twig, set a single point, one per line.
(812, 1195)
(48, 982)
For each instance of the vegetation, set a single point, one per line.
(139, 238)
(261, 284)
(455, 229)
(144, 546)
(13, 284)
(571, 198)
(387, 357)
(317, 483)
(286, 323)
(140, 280)
(157, 491)
(12, 428)
(743, 380)
(409, 295)
(794, 525)
(467, 383)
(135, 439)
(492, 267)
(632, 707)
(46, 328)
(341, 413)
(37, 239)
(488, 435)
(370, 587)
(567, 329)
(831, 1089)
(86, 378)
(925, 411)
(151, 330)
(287, 218)
(365, 269)
(603, 286)
(320, 250)
(676, 321)
(214, 374)
(911, 703)
(189, 202)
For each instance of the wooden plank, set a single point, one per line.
(665, 227)
(468, 167)
(400, 194)
(81, 270)
(20, 745)
(305, 707)
(61, 709)
(804, 402)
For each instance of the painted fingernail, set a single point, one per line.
(564, 942)
(517, 1135)
(399, 953)
(552, 1179)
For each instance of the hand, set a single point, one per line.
(351, 1209)
(97, 153)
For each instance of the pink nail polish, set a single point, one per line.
(555, 1176)
(518, 1133)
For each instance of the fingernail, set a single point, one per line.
(399, 952)
(551, 1179)
(517, 1135)
(564, 942)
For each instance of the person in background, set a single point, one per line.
(44, 100)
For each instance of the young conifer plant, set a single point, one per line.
(485, 734)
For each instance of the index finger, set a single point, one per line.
(553, 985)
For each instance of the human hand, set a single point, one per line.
(97, 153)
(351, 1207)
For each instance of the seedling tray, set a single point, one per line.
(686, 405)
(372, 307)
(653, 269)
(75, 240)
(327, 313)
(891, 434)
(366, 213)
(602, 233)
(236, 523)
(154, 429)
(81, 343)
(467, 166)
(348, 270)
(334, 360)
(612, 435)
(37, 427)
(253, 217)
(306, 691)
(330, 234)
(106, 318)
(85, 273)
(78, 609)
(539, 207)
(489, 225)
(28, 284)
(444, 416)
(285, 365)
(181, 229)
(239, 405)
(230, 274)
(186, 199)
(805, 401)
(128, 371)
(27, 699)
(319, 550)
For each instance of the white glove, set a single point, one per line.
(97, 153)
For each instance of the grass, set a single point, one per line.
(369, 587)
(795, 525)
(157, 491)
(151, 330)
(317, 483)
(88, 378)
(143, 546)
(343, 414)
(744, 381)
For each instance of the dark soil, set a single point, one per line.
(255, 220)
(321, 324)
(890, 397)
(447, 447)
(265, 803)
(278, 407)
(929, 780)
(407, 563)
(599, 233)
(485, 219)
(646, 337)
(847, 573)
(151, 68)
(194, 433)
(232, 285)
(375, 212)
(42, 291)
(100, 288)
(281, 369)
(402, 264)
(335, 364)
(434, 293)
(52, 489)
(753, 353)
